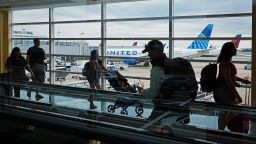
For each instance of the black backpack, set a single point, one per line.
(85, 69)
(183, 85)
(208, 78)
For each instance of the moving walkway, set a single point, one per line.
(29, 121)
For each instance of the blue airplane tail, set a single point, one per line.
(202, 44)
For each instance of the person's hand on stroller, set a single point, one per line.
(141, 85)
(103, 72)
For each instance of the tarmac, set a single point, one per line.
(144, 72)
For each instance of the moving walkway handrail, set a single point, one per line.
(68, 89)
(232, 108)
(80, 92)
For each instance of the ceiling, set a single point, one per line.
(31, 4)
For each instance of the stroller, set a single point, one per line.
(120, 83)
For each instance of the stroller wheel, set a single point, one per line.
(124, 112)
(111, 109)
(139, 110)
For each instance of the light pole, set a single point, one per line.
(23, 36)
(81, 51)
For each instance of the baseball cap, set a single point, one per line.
(154, 45)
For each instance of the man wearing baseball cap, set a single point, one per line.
(155, 50)
(166, 78)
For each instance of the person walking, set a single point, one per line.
(95, 69)
(35, 58)
(16, 65)
(225, 92)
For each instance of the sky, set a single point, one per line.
(223, 27)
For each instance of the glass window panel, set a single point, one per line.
(24, 45)
(158, 28)
(78, 30)
(69, 70)
(113, 46)
(129, 48)
(214, 46)
(150, 8)
(204, 7)
(222, 27)
(88, 12)
(47, 77)
(242, 60)
(70, 79)
(30, 31)
(76, 47)
(131, 69)
(35, 15)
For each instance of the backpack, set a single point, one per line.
(85, 69)
(178, 88)
(208, 78)
(182, 86)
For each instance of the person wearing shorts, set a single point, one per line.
(95, 69)
(35, 58)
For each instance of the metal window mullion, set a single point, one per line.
(30, 23)
(253, 74)
(171, 29)
(76, 21)
(10, 30)
(29, 38)
(51, 51)
(143, 19)
(51, 46)
(181, 17)
(103, 36)
(142, 38)
(180, 38)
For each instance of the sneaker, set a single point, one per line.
(92, 106)
(38, 97)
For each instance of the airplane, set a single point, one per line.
(245, 52)
(216, 51)
(242, 51)
(131, 53)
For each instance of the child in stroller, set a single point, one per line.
(120, 83)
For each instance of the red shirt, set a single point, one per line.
(233, 69)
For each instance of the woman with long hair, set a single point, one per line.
(225, 92)
(16, 65)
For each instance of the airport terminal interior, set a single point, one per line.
(67, 110)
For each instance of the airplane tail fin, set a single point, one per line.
(135, 44)
(202, 44)
(237, 41)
